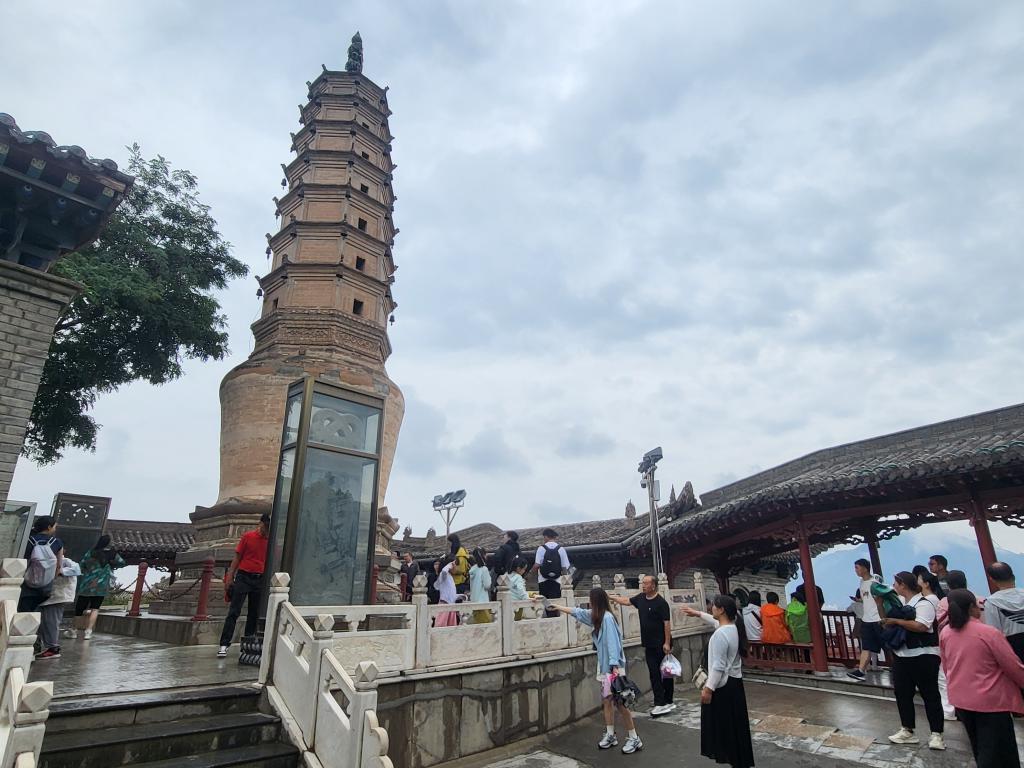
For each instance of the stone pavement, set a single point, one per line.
(115, 663)
(790, 727)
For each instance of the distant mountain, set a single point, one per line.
(833, 571)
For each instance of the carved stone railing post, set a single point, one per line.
(24, 708)
(619, 588)
(278, 594)
(570, 601)
(419, 599)
(698, 587)
(12, 574)
(662, 583)
(506, 615)
(323, 640)
(17, 637)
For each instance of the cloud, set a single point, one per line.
(581, 443)
(489, 452)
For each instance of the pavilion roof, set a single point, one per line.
(899, 473)
(489, 536)
(148, 539)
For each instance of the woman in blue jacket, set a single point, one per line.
(611, 661)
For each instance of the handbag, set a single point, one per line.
(625, 691)
(700, 679)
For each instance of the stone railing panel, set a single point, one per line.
(536, 633)
(12, 574)
(296, 671)
(392, 646)
(469, 640)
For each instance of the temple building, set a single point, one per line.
(327, 303)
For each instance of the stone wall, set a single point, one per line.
(439, 716)
(30, 303)
(763, 580)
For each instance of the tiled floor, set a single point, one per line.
(114, 663)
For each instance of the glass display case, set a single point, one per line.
(325, 503)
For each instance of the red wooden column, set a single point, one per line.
(876, 561)
(984, 536)
(818, 656)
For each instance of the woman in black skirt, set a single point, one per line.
(724, 723)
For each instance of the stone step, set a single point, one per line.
(135, 708)
(876, 686)
(134, 744)
(258, 756)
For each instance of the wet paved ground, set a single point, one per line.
(791, 727)
(113, 663)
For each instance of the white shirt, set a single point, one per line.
(924, 613)
(539, 559)
(445, 585)
(752, 624)
(723, 653)
(867, 601)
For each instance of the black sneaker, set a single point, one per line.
(857, 675)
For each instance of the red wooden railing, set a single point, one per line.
(842, 647)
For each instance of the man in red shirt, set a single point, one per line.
(245, 579)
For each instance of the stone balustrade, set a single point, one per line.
(24, 706)
(322, 664)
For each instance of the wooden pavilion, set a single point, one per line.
(971, 468)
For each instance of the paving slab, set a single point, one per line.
(115, 663)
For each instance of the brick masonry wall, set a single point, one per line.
(30, 303)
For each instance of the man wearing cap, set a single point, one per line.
(245, 579)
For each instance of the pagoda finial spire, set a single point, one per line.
(355, 55)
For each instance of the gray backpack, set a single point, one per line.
(42, 565)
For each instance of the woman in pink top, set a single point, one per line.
(985, 678)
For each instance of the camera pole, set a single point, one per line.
(655, 533)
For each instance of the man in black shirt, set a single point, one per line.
(656, 638)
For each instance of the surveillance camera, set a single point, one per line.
(654, 455)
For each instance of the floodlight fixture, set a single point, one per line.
(448, 505)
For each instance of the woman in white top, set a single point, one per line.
(933, 593)
(480, 586)
(915, 665)
(724, 722)
(445, 586)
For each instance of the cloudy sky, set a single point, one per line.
(741, 232)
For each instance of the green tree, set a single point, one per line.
(146, 307)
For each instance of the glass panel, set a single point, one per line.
(331, 564)
(343, 424)
(292, 411)
(279, 518)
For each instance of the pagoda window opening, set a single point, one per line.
(364, 189)
(366, 155)
(360, 263)
(362, 225)
(357, 307)
(365, 125)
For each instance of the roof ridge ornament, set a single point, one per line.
(355, 55)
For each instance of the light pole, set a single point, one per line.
(646, 470)
(447, 506)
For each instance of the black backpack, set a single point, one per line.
(551, 565)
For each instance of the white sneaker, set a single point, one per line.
(904, 736)
(659, 710)
(949, 716)
(222, 652)
(936, 741)
(86, 634)
(610, 740)
(670, 707)
(633, 744)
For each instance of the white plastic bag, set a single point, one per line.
(670, 666)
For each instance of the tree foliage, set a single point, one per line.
(146, 307)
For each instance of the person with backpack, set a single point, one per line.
(915, 666)
(460, 564)
(611, 663)
(506, 554)
(44, 553)
(98, 567)
(549, 564)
